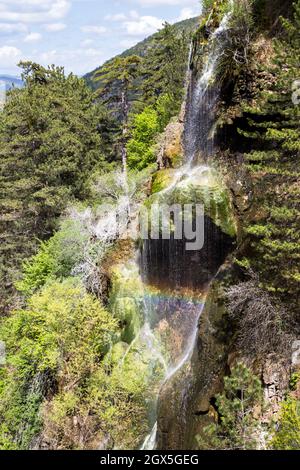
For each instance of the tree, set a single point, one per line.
(121, 73)
(238, 409)
(274, 135)
(287, 435)
(49, 145)
(140, 147)
(164, 68)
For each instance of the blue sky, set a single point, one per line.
(80, 34)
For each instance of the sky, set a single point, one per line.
(80, 34)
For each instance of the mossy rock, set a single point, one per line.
(126, 299)
(127, 310)
(161, 180)
(200, 185)
(118, 352)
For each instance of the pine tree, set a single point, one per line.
(121, 73)
(49, 145)
(239, 425)
(273, 127)
(164, 68)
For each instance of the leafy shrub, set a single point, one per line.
(56, 258)
(141, 146)
(58, 339)
(237, 406)
(287, 436)
(63, 387)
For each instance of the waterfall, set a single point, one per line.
(182, 278)
(202, 98)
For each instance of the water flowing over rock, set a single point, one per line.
(181, 278)
(202, 100)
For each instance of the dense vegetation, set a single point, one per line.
(57, 146)
(73, 378)
(239, 406)
(49, 145)
(273, 126)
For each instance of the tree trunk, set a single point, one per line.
(124, 132)
(125, 110)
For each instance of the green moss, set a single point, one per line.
(161, 180)
(201, 186)
(126, 299)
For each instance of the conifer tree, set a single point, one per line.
(238, 427)
(164, 68)
(121, 73)
(49, 145)
(274, 133)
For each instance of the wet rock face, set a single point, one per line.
(199, 141)
(167, 263)
(186, 402)
(171, 151)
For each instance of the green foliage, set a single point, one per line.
(58, 338)
(56, 258)
(238, 407)
(238, 42)
(207, 5)
(287, 437)
(164, 68)
(64, 382)
(141, 145)
(121, 70)
(166, 108)
(273, 128)
(49, 145)
(129, 83)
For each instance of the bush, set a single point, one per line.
(238, 408)
(56, 258)
(287, 436)
(141, 146)
(57, 340)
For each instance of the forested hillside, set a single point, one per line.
(186, 27)
(115, 341)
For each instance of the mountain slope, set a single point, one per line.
(8, 81)
(141, 48)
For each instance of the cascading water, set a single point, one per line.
(181, 278)
(202, 98)
(169, 282)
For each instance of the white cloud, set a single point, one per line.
(55, 27)
(87, 42)
(33, 37)
(77, 60)
(116, 17)
(143, 26)
(8, 28)
(9, 56)
(33, 11)
(93, 29)
(150, 3)
(187, 13)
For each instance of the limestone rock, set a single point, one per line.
(171, 151)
